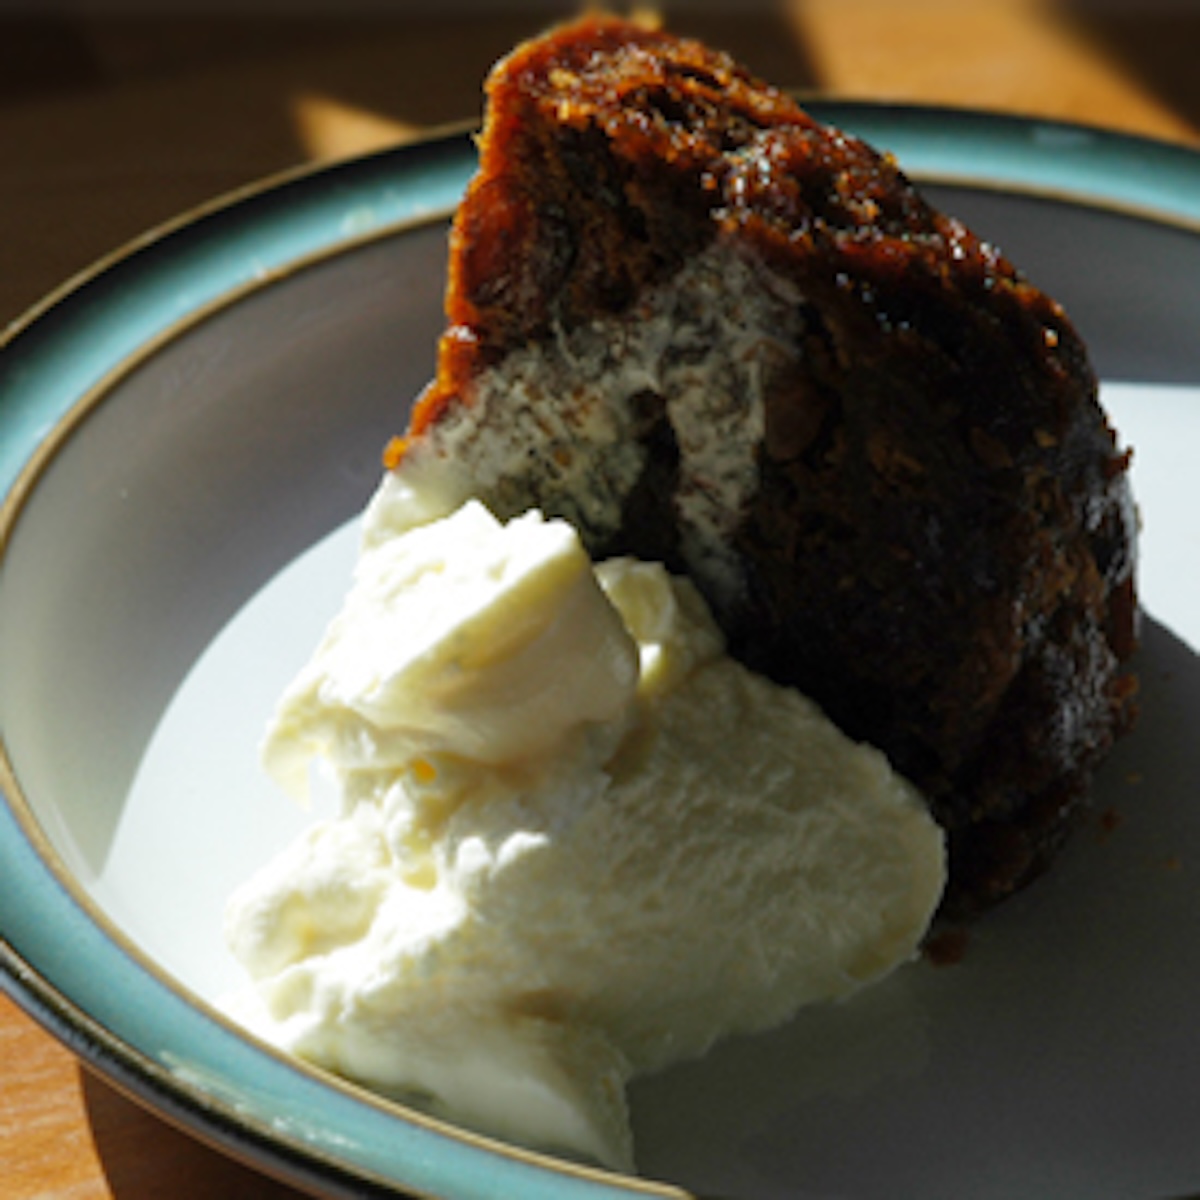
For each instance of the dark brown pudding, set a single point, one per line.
(710, 331)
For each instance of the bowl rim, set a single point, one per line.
(308, 215)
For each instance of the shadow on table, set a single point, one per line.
(1152, 42)
(143, 1156)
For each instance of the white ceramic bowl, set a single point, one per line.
(186, 435)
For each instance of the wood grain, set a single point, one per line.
(65, 1135)
(110, 126)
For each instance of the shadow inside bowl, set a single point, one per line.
(1058, 1034)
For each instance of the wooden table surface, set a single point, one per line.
(112, 124)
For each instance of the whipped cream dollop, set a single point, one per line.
(575, 840)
